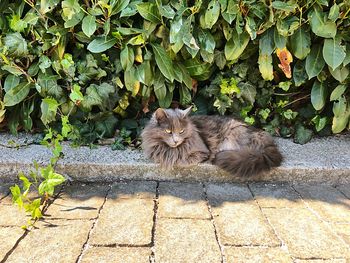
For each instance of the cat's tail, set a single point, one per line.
(247, 162)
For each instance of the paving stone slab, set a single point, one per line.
(327, 201)
(336, 260)
(305, 235)
(124, 221)
(256, 255)
(186, 240)
(180, 200)
(276, 195)
(53, 241)
(343, 230)
(78, 201)
(8, 237)
(237, 216)
(134, 189)
(11, 215)
(243, 224)
(226, 192)
(116, 255)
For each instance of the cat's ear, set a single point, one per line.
(160, 115)
(187, 111)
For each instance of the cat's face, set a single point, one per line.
(173, 126)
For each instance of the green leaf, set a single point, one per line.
(11, 81)
(167, 11)
(159, 86)
(48, 5)
(299, 73)
(333, 13)
(97, 95)
(339, 107)
(287, 7)
(76, 95)
(165, 103)
(118, 6)
(48, 110)
(197, 69)
(236, 45)
(127, 58)
(266, 42)
(341, 115)
(289, 114)
(347, 57)
(52, 180)
(185, 95)
(333, 52)
(314, 61)
(17, 24)
(131, 81)
(319, 122)
(321, 26)
(150, 12)
(248, 92)
(285, 85)
(163, 62)
(338, 92)
(44, 63)
(16, 44)
(318, 95)
(300, 43)
(265, 66)
(89, 25)
(176, 34)
(340, 122)
(212, 14)
(25, 181)
(106, 125)
(13, 69)
(186, 78)
(340, 73)
(27, 109)
(31, 18)
(302, 135)
(47, 86)
(70, 8)
(250, 27)
(16, 195)
(280, 41)
(17, 94)
(75, 20)
(101, 44)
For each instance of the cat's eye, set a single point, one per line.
(182, 131)
(167, 131)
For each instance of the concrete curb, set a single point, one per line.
(325, 160)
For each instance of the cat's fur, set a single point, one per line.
(172, 138)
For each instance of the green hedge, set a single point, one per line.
(280, 65)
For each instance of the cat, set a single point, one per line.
(173, 138)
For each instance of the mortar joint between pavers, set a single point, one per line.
(221, 247)
(86, 244)
(116, 245)
(325, 222)
(155, 218)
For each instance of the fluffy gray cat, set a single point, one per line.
(173, 138)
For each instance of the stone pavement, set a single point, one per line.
(149, 221)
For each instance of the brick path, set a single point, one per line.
(147, 221)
